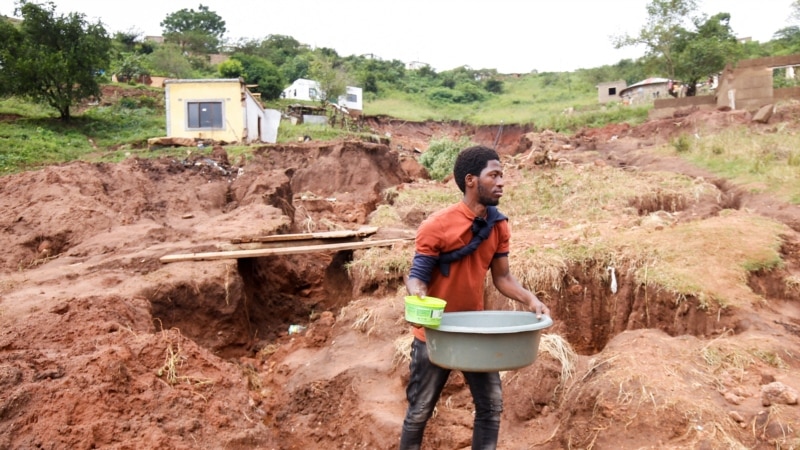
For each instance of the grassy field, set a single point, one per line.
(561, 103)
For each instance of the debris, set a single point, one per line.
(296, 329)
(613, 280)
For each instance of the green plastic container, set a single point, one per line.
(425, 311)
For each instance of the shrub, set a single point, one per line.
(681, 144)
(441, 156)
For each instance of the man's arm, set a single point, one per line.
(508, 285)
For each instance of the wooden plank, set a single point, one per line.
(280, 244)
(361, 232)
(236, 254)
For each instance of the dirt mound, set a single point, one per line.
(103, 346)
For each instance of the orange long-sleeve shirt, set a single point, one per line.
(448, 230)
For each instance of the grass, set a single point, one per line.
(564, 103)
(592, 216)
(758, 162)
(37, 139)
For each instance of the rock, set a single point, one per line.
(733, 398)
(764, 113)
(736, 416)
(778, 393)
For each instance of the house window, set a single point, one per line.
(352, 98)
(612, 91)
(204, 115)
(312, 93)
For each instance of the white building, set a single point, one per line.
(303, 89)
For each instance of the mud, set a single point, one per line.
(103, 346)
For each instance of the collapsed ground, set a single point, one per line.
(103, 346)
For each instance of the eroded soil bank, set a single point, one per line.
(103, 346)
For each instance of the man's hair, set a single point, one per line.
(471, 161)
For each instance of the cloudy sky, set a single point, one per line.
(512, 36)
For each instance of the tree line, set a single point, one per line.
(60, 59)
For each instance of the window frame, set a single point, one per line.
(219, 125)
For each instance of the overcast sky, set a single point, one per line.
(512, 36)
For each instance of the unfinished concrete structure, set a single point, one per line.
(609, 91)
(746, 86)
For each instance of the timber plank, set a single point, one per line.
(336, 234)
(236, 254)
(279, 244)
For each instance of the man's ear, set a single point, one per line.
(469, 180)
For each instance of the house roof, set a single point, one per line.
(645, 82)
(203, 80)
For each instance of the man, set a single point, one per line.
(454, 249)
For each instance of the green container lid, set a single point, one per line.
(426, 311)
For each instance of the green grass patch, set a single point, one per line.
(559, 102)
(756, 161)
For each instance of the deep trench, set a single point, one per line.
(279, 291)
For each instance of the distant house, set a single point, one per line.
(645, 91)
(352, 99)
(416, 65)
(304, 89)
(609, 92)
(218, 109)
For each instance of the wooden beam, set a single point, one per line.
(293, 243)
(337, 234)
(236, 254)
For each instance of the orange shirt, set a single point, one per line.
(448, 230)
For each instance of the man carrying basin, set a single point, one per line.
(455, 247)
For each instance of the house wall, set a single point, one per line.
(262, 124)
(609, 92)
(645, 94)
(667, 107)
(301, 90)
(788, 92)
(178, 93)
(748, 85)
(352, 105)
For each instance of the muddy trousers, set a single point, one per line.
(424, 388)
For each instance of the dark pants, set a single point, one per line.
(426, 384)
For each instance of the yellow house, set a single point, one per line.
(222, 110)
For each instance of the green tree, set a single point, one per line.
(127, 41)
(786, 40)
(794, 14)
(494, 85)
(297, 67)
(263, 73)
(198, 31)
(169, 60)
(131, 66)
(665, 22)
(704, 52)
(53, 59)
(331, 80)
(231, 68)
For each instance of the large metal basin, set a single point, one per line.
(486, 341)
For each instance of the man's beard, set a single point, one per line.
(486, 200)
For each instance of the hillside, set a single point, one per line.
(104, 346)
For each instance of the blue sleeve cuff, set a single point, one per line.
(422, 267)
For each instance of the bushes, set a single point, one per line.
(441, 156)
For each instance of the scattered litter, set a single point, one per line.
(295, 329)
(613, 280)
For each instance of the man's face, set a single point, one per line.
(490, 184)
